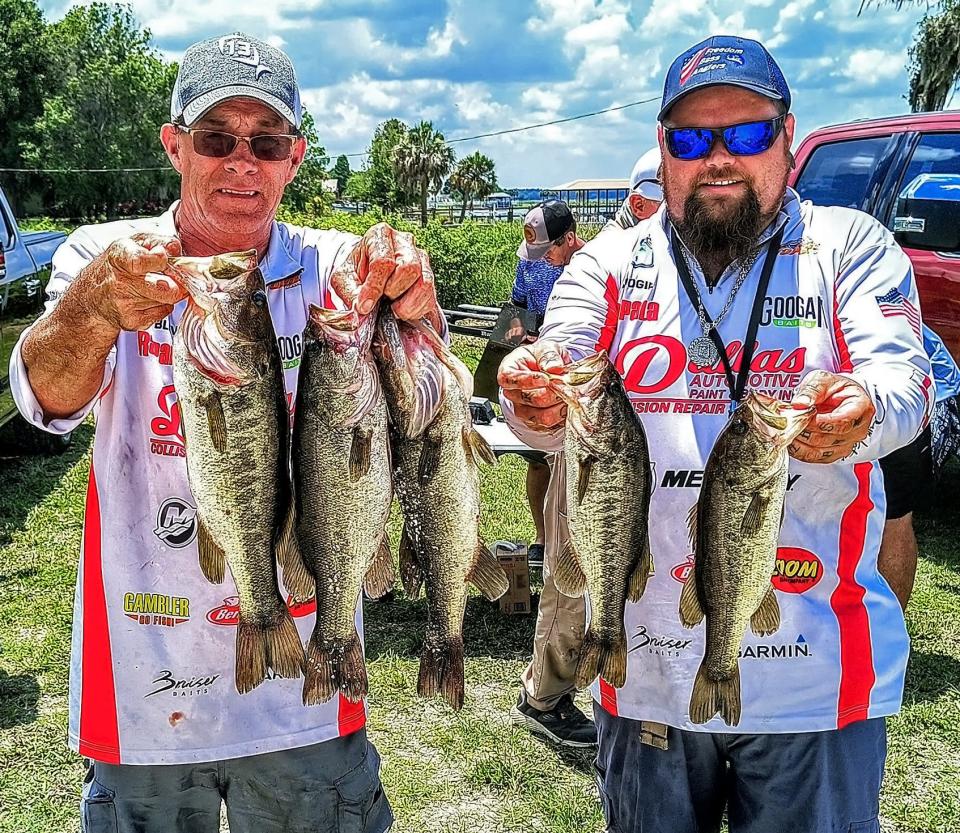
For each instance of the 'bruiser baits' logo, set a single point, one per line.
(228, 614)
(167, 430)
(186, 687)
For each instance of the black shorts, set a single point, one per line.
(907, 475)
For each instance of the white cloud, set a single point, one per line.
(791, 15)
(872, 66)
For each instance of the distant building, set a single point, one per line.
(330, 186)
(591, 200)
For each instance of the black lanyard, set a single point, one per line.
(737, 386)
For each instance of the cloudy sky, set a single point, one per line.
(476, 66)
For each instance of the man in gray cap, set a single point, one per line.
(152, 698)
(777, 722)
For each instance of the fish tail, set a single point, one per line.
(441, 669)
(334, 665)
(712, 696)
(293, 570)
(602, 656)
(260, 647)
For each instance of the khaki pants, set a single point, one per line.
(560, 619)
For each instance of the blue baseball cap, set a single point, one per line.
(724, 59)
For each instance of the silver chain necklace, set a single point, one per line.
(702, 351)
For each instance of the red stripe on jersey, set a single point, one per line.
(351, 716)
(328, 298)
(612, 296)
(608, 697)
(99, 732)
(857, 675)
(842, 352)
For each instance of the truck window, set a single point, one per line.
(936, 153)
(841, 173)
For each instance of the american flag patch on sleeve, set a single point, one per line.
(896, 303)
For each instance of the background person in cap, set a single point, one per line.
(545, 705)
(667, 299)
(163, 762)
(550, 239)
(645, 195)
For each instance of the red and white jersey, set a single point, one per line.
(152, 666)
(841, 298)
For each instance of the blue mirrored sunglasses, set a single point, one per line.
(747, 139)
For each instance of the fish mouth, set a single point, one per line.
(209, 282)
(778, 422)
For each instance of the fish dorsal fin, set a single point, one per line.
(692, 526)
(477, 448)
(380, 574)
(360, 452)
(487, 575)
(216, 420)
(568, 573)
(753, 516)
(691, 612)
(766, 618)
(584, 469)
(642, 572)
(213, 562)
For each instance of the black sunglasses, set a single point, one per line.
(746, 139)
(218, 144)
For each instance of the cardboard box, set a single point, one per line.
(513, 559)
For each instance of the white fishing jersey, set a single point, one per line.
(152, 662)
(841, 298)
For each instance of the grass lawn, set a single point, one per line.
(447, 772)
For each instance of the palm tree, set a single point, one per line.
(473, 178)
(421, 161)
(935, 58)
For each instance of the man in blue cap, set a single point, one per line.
(791, 734)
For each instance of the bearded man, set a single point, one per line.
(686, 303)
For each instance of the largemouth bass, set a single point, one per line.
(608, 505)
(229, 382)
(436, 453)
(341, 474)
(734, 531)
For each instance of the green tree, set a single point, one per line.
(306, 190)
(384, 188)
(421, 161)
(934, 56)
(341, 171)
(23, 64)
(473, 178)
(109, 92)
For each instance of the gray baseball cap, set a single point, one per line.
(542, 225)
(234, 66)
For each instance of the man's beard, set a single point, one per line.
(724, 239)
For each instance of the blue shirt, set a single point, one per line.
(533, 283)
(946, 375)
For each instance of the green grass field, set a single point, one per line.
(447, 772)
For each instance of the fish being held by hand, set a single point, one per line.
(608, 504)
(229, 381)
(734, 530)
(341, 473)
(436, 452)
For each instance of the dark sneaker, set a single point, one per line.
(535, 555)
(564, 723)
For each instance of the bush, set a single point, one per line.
(474, 263)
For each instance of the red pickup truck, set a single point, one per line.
(867, 165)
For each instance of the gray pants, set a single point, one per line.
(330, 787)
(560, 619)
